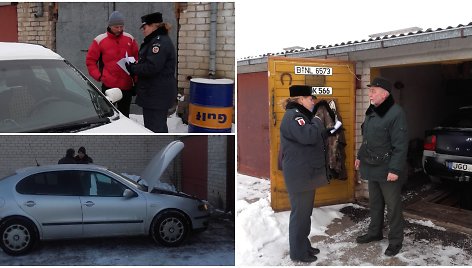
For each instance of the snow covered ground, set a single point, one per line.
(174, 123)
(262, 235)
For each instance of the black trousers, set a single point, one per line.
(155, 120)
(300, 223)
(381, 194)
(124, 104)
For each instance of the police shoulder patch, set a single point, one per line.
(155, 48)
(300, 120)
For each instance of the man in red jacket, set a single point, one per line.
(104, 53)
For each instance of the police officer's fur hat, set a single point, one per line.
(381, 82)
(151, 18)
(300, 90)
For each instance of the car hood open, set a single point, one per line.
(153, 172)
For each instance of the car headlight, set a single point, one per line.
(203, 207)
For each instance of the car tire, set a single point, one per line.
(169, 228)
(18, 236)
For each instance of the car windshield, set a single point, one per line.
(131, 181)
(462, 118)
(49, 96)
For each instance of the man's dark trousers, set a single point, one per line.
(381, 194)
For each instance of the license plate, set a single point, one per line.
(460, 166)
(321, 90)
(311, 70)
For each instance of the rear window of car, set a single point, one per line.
(462, 118)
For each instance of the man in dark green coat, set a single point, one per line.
(382, 161)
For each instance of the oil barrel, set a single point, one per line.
(210, 105)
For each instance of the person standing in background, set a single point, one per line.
(82, 157)
(69, 158)
(104, 53)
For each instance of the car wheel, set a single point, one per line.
(18, 236)
(169, 228)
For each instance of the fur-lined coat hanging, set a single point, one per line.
(336, 155)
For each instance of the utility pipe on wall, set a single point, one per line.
(213, 18)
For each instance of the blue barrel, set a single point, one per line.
(211, 105)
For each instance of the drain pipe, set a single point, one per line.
(40, 11)
(213, 17)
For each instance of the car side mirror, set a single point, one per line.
(113, 94)
(129, 194)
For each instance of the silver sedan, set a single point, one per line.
(78, 201)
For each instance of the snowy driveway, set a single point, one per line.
(263, 235)
(215, 246)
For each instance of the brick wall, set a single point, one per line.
(217, 162)
(34, 27)
(194, 44)
(120, 153)
(362, 103)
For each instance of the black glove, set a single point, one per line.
(129, 67)
(328, 131)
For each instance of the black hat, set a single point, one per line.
(70, 152)
(151, 18)
(381, 82)
(300, 90)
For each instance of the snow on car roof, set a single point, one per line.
(24, 51)
(59, 167)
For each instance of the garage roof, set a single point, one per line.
(385, 41)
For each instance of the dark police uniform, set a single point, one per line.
(384, 150)
(304, 168)
(156, 86)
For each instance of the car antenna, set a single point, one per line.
(37, 164)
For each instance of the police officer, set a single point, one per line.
(155, 69)
(382, 161)
(302, 140)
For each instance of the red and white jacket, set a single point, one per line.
(111, 48)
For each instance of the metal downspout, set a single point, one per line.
(213, 17)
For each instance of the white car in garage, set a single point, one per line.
(41, 92)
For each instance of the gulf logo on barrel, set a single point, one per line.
(210, 117)
(211, 105)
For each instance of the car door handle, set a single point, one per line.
(30, 203)
(89, 203)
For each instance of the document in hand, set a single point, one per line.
(125, 60)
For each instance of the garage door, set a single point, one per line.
(336, 81)
(9, 22)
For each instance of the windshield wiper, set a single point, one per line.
(74, 126)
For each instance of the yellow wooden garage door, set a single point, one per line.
(334, 80)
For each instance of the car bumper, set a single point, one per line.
(200, 223)
(435, 164)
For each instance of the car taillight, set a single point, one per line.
(430, 143)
